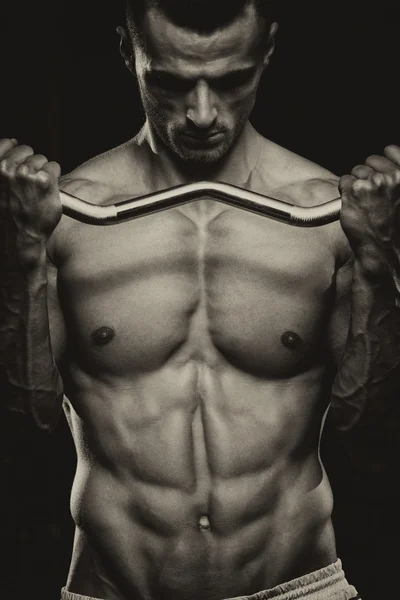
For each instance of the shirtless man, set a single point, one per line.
(197, 347)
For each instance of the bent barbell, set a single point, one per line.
(182, 194)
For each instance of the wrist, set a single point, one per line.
(31, 251)
(377, 277)
(374, 263)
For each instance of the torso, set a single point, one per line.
(197, 376)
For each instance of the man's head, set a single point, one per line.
(198, 65)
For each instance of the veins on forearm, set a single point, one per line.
(13, 303)
(28, 375)
(369, 374)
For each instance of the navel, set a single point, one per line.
(102, 336)
(204, 523)
(291, 340)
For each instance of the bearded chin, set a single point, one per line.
(169, 137)
(201, 158)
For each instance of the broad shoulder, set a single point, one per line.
(109, 176)
(297, 180)
(294, 178)
(112, 176)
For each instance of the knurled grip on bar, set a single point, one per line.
(182, 194)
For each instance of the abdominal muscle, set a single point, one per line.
(197, 481)
(196, 428)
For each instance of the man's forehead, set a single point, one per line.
(171, 45)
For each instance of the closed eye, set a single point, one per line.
(169, 83)
(233, 81)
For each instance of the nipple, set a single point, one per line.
(102, 336)
(204, 523)
(291, 340)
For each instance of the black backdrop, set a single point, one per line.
(330, 94)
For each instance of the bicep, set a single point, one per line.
(56, 319)
(340, 317)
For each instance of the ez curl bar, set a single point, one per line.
(182, 194)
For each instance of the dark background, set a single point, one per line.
(330, 94)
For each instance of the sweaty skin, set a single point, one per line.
(195, 350)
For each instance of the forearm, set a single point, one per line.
(30, 380)
(365, 390)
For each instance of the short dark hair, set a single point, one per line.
(200, 16)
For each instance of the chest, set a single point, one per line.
(209, 279)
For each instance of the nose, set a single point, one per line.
(202, 111)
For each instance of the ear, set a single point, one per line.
(270, 44)
(126, 49)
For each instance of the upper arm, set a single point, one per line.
(55, 243)
(86, 189)
(340, 317)
(56, 319)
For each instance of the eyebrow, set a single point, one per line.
(234, 73)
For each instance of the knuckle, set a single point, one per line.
(43, 177)
(6, 168)
(378, 179)
(22, 170)
(388, 179)
(359, 186)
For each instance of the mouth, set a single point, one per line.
(208, 139)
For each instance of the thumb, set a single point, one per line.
(345, 183)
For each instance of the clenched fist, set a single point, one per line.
(30, 206)
(370, 213)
